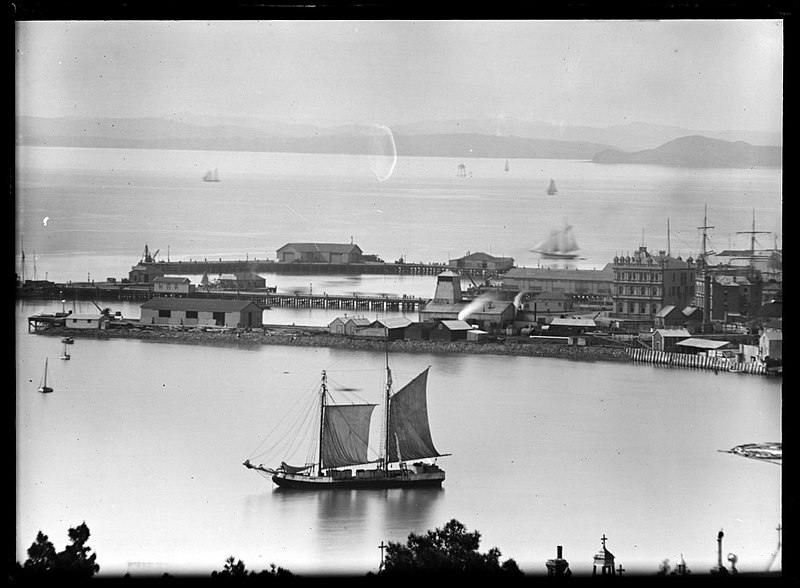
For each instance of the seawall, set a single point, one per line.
(310, 337)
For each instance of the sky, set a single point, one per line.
(700, 74)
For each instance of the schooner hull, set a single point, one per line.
(411, 480)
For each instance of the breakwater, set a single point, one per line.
(319, 337)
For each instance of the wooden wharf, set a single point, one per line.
(265, 298)
(197, 267)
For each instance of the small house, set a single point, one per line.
(87, 321)
(171, 286)
(482, 261)
(668, 317)
(477, 335)
(347, 325)
(665, 339)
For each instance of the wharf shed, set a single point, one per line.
(666, 339)
(565, 327)
(568, 281)
(482, 261)
(450, 330)
(549, 302)
(419, 331)
(395, 327)
(695, 345)
(242, 314)
(320, 253)
(241, 281)
(87, 321)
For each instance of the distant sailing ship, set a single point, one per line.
(559, 244)
(551, 189)
(43, 387)
(507, 166)
(211, 176)
(343, 442)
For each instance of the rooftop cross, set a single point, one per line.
(603, 539)
(382, 546)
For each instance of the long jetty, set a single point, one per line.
(212, 267)
(264, 298)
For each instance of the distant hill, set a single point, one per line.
(699, 151)
(507, 138)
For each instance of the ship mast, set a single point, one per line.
(323, 395)
(386, 412)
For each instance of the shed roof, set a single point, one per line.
(160, 303)
(604, 275)
(703, 343)
(86, 317)
(673, 332)
(573, 322)
(456, 325)
(171, 279)
(665, 311)
(323, 247)
(399, 322)
(483, 257)
(690, 310)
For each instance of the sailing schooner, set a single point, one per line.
(560, 244)
(551, 189)
(343, 438)
(211, 176)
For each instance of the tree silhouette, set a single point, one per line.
(237, 569)
(448, 550)
(75, 560)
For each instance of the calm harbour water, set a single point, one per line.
(144, 440)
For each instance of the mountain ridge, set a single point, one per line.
(472, 138)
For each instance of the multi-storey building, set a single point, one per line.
(644, 284)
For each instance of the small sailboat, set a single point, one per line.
(65, 354)
(507, 166)
(551, 189)
(342, 440)
(43, 387)
(559, 244)
(211, 176)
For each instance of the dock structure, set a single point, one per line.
(210, 267)
(265, 298)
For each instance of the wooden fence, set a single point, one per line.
(688, 360)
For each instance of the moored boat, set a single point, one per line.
(343, 443)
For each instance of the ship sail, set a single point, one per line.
(551, 189)
(409, 429)
(345, 435)
(559, 243)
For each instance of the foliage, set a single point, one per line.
(75, 560)
(448, 550)
(235, 569)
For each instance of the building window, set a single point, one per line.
(191, 314)
(164, 314)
